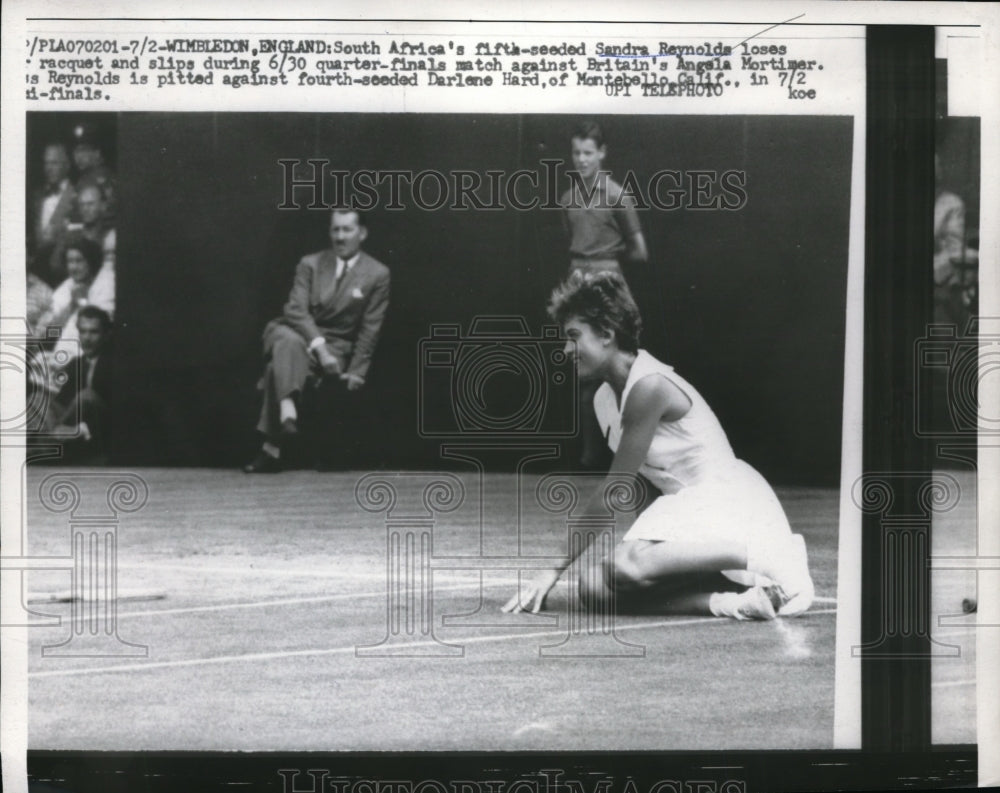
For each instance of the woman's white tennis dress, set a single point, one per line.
(708, 494)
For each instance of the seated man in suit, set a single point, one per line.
(81, 410)
(329, 327)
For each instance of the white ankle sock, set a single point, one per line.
(754, 604)
(723, 604)
(271, 449)
(287, 409)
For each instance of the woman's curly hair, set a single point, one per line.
(603, 301)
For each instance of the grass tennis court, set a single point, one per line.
(272, 583)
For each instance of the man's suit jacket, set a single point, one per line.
(349, 315)
(49, 238)
(100, 383)
(95, 409)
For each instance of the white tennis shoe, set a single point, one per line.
(754, 604)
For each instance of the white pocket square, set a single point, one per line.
(357, 294)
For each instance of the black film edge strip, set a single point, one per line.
(896, 664)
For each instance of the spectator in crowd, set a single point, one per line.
(91, 167)
(87, 284)
(53, 205)
(38, 296)
(92, 211)
(38, 304)
(955, 265)
(329, 329)
(80, 413)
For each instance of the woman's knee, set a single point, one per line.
(625, 571)
(616, 576)
(593, 586)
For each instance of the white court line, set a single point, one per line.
(333, 573)
(330, 571)
(253, 604)
(953, 683)
(325, 571)
(224, 659)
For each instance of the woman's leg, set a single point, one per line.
(682, 594)
(644, 563)
(687, 585)
(699, 594)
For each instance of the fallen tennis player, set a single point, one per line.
(715, 540)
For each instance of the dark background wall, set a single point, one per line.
(958, 149)
(748, 305)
